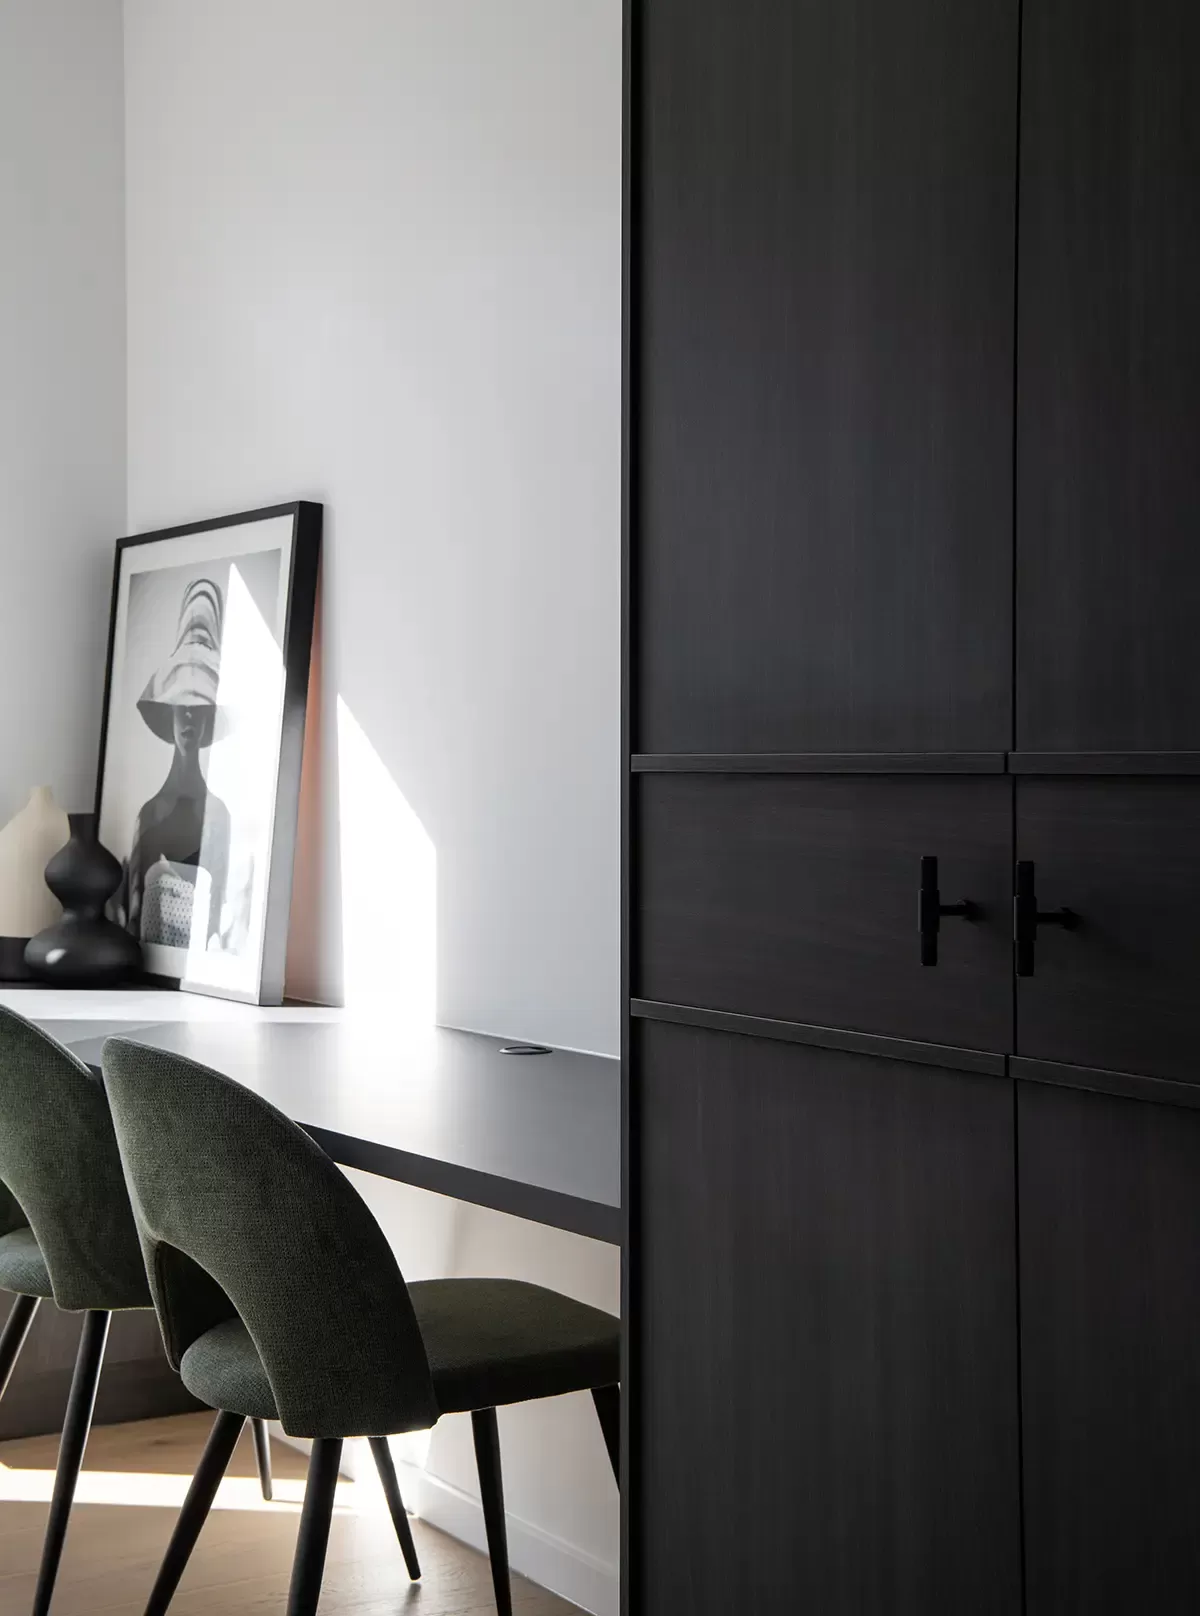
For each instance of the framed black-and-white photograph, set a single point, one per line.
(202, 739)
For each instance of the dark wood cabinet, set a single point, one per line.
(912, 568)
(1108, 377)
(794, 897)
(1121, 990)
(823, 245)
(823, 1316)
(1110, 1375)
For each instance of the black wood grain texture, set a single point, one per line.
(1100, 1080)
(824, 283)
(1168, 763)
(1108, 484)
(1120, 991)
(795, 898)
(1110, 1294)
(818, 763)
(854, 1043)
(824, 1333)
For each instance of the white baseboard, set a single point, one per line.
(564, 1569)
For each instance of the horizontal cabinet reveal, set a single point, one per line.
(795, 899)
(819, 763)
(854, 1043)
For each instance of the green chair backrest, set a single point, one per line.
(240, 1212)
(60, 1172)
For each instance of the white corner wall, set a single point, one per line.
(62, 384)
(374, 260)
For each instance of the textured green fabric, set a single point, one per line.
(22, 1266)
(497, 1341)
(489, 1342)
(62, 1173)
(224, 1370)
(242, 1215)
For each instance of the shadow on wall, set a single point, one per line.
(364, 904)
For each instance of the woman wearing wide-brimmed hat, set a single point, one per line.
(180, 857)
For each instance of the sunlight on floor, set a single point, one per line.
(143, 1490)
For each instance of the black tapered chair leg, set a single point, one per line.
(395, 1503)
(309, 1565)
(262, 1455)
(16, 1328)
(608, 1410)
(491, 1488)
(76, 1427)
(214, 1462)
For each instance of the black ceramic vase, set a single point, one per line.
(84, 949)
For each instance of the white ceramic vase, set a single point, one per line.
(27, 844)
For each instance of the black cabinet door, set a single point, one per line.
(1120, 991)
(822, 242)
(794, 897)
(824, 1405)
(1108, 474)
(1110, 1374)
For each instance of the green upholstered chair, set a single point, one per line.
(67, 1233)
(280, 1298)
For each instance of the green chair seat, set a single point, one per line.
(489, 1342)
(22, 1267)
(497, 1341)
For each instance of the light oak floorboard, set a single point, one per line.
(127, 1506)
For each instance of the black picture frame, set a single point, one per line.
(306, 519)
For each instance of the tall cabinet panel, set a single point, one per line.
(1108, 714)
(821, 1266)
(822, 251)
(1110, 1382)
(825, 1323)
(1108, 477)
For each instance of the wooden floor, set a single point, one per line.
(129, 1494)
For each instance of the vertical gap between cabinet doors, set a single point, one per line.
(1014, 468)
(1013, 743)
(1016, 1138)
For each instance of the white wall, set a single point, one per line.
(374, 260)
(62, 384)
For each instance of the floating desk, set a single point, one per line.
(537, 1136)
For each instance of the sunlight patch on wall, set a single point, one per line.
(389, 888)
